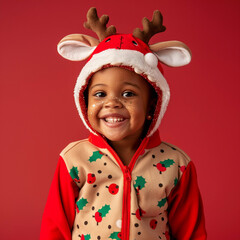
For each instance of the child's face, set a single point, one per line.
(118, 103)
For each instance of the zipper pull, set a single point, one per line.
(127, 174)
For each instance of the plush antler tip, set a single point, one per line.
(145, 20)
(157, 12)
(92, 13)
(98, 25)
(104, 19)
(163, 28)
(92, 9)
(86, 25)
(111, 30)
(150, 28)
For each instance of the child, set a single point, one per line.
(123, 182)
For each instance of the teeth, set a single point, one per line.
(113, 120)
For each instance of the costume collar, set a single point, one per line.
(101, 142)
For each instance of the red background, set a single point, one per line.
(38, 115)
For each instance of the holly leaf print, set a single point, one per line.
(175, 181)
(162, 202)
(167, 163)
(140, 182)
(81, 203)
(115, 235)
(74, 173)
(104, 210)
(86, 237)
(96, 155)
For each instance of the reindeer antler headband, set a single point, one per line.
(129, 51)
(98, 25)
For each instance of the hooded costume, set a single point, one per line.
(93, 194)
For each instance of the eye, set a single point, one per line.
(99, 94)
(108, 40)
(135, 43)
(128, 94)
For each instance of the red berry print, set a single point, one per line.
(116, 235)
(76, 207)
(153, 224)
(101, 213)
(98, 217)
(161, 167)
(137, 190)
(139, 213)
(113, 188)
(91, 178)
(182, 168)
(167, 235)
(85, 237)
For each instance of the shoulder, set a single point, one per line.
(177, 150)
(77, 152)
(173, 152)
(76, 147)
(76, 156)
(73, 146)
(170, 161)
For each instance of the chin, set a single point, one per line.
(114, 138)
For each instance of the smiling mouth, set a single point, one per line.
(113, 119)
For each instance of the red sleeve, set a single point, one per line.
(186, 216)
(59, 212)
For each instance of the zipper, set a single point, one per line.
(126, 207)
(126, 203)
(127, 178)
(127, 174)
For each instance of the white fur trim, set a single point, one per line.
(131, 58)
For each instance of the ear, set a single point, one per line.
(77, 47)
(172, 53)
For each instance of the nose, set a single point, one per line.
(113, 102)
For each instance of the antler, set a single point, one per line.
(150, 28)
(98, 25)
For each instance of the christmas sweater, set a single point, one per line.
(94, 196)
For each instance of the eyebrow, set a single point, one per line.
(103, 85)
(132, 84)
(97, 85)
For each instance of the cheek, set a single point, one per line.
(137, 112)
(93, 109)
(137, 107)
